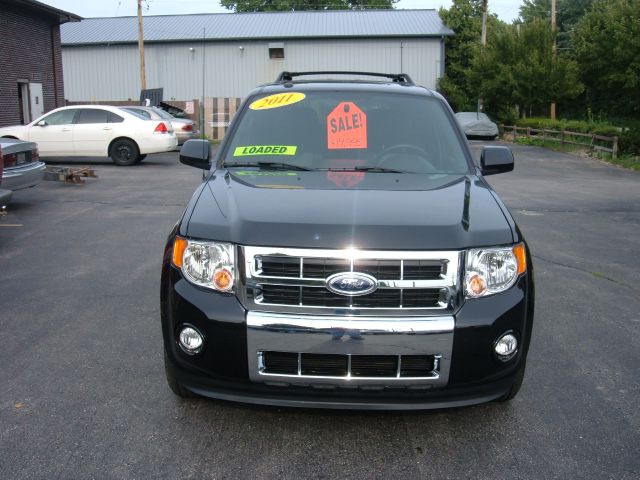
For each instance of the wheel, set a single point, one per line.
(175, 386)
(124, 152)
(515, 387)
(141, 157)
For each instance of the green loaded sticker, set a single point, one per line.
(265, 150)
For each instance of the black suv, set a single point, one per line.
(345, 251)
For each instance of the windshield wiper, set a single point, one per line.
(271, 165)
(364, 168)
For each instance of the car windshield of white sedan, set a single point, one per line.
(348, 131)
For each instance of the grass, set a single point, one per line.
(626, 161)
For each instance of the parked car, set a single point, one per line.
(184, 128)
(21, 162)
(345, 251)
(96, 131)
(477, 124)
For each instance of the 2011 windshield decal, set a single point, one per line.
(278, 100)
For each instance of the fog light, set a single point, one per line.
(191, 340)
(506, 346)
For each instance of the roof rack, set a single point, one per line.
(395, 77)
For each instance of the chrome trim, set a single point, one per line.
(373, 283)
(448, 283)
(364, 336)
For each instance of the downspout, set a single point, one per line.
(53, 64)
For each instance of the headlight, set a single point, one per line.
(493, 270)
(207, 264)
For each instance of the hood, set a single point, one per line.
(363, 210)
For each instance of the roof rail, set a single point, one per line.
(395, 77)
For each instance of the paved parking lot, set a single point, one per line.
(82, 389)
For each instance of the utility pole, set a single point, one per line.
(143, 77)
(483, 37)
(483, 41)
(552, 109)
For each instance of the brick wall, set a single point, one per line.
(30, 50)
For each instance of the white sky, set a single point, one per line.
(507, 10)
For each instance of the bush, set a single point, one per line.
(538, 122)
(606, 130)
(630, 140)
(579, 126)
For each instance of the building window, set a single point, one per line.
(276, 50)
(276, 53)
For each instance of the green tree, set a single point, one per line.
(518, 69)
(568, 14)
(606, 44)
(464, 17)
(287, 5)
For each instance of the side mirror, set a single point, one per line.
(496, 160)
(42, 123)
(196, 153)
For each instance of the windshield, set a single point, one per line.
(467, 116)
(377, 132)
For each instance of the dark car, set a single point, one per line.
(21, 162)
(345, 251)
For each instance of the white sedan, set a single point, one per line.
(96, 131)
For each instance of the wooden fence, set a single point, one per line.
(566, 137)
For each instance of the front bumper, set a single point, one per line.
(17, 178)
(226, 369)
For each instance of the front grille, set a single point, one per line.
(361, 366)
(321, 297)
(293, 267)
(290, 280)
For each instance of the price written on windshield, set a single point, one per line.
(346, 127)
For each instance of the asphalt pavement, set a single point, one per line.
(82, 388)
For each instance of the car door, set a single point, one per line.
(54, 133)
(92, 132)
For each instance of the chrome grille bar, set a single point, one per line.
(328, 262)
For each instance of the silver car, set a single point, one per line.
(21, 162)
(476, 124)
(184, 128)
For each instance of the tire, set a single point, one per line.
(176, 387)
(141, 158)
(515, 386)
(124, 152)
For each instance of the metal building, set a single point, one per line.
(225, 55)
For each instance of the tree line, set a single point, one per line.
(593, 73)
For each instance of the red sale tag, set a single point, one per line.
(346, 127)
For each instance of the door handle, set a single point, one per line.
(107, 128)
(65, 129)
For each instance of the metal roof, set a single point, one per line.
(271, 25)
(62, 15)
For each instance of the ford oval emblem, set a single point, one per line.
(351, 283)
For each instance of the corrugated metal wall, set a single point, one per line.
(103, 73)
